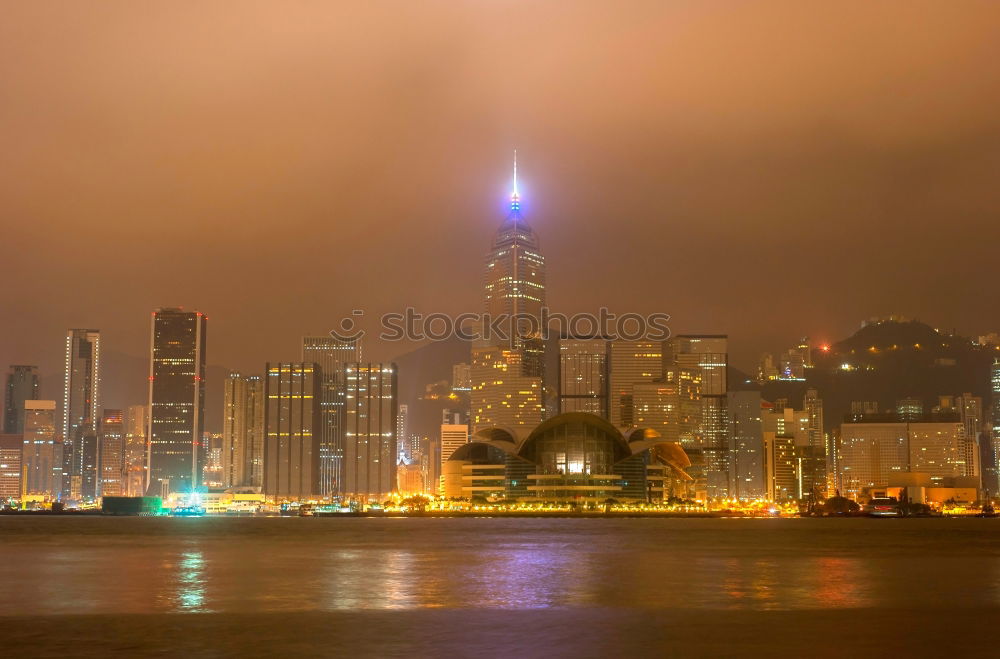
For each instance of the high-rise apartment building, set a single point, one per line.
(332, 355)
(176, 400)
(22, 385)
(370, 443)
(292, 422)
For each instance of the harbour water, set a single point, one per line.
(496, 587)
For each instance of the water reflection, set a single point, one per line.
(254, 565)
(183, 588)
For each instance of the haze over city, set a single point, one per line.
(770, 171)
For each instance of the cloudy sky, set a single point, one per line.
(763, 169)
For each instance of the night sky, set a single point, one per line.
(767, 170)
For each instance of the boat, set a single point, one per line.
(188, 511)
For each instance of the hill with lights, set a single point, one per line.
(889, 360)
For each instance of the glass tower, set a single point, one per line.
(176, 400)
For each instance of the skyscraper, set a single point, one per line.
(631, 362)
(135, 450)
(332, 355)
(176, 400)
(370, 411)
(111, 454)
(22, 385)
(402, 432)
(501, 394)
(709, 354)
(583, 376)
(81, 394)
(292, 419)
(746, 445)
(11, 448)
(42, 454)
(993, 474)
(80, 408)
(243, 431)
(514, 286)
(454, 434)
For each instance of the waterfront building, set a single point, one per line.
(292, 394)
(333, 355)
(11, 447)
(370, 443)
(574, 456)
(176, 401)
(80, 410)
(135, 450)
(747, 468)
(42, 452)
(709, 354)
(111, 454)
(242, 450)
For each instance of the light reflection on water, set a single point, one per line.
(243, 565)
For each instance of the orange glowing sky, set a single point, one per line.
(767, 169)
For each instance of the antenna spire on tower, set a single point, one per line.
(515, 200)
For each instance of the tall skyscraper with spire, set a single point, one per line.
(515, 284)
(507, 371)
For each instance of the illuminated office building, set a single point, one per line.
(11, 446)
(370, 444)
(804, 450)
(135, 450)
(461, 377)
(111, 454)
(671, 405)
(80, 410)
(332, 355)
(708, 353)
(22, 385)
(454, 435)
(242, 445)
(501, 393)
(871, 454)
(292, 423)
(514, 286)
(42, 452)
(747, 466)
(630, 362)
(176, 400)
(583, 376)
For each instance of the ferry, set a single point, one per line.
(188, 511)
